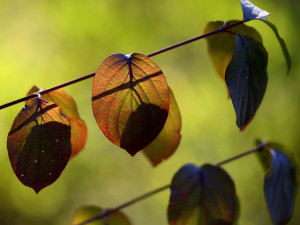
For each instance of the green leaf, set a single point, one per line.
(279, 185)
(246, 78)
(282, 44)
(202, 196)
(38, 143)
(69, 109)
(251, 12)
(166, 143)
(87, 212)
(130, 100)
(221, 45)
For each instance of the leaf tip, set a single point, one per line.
(36, 190)
(243, 128)
(251, 11)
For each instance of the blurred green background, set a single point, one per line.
(50, 42)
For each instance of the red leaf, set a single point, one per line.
(39, 143)
(69, 108)
(166, 143)
(130, 100)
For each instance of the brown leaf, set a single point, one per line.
(130, 100)
(39, 143)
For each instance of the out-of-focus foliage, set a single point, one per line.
(87, 212)
(50, 42)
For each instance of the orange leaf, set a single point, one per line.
(166, 143)
(38, 143)
(130, 100)
(69, 108)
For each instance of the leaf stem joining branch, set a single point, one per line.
(105, 213)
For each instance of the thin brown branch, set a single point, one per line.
(257, 148)
(221, 29)
(105, 213)
(47, 90)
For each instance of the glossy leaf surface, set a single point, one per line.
(202, 196)
(166, 143)
(221, 45)
(69, 109)
(130, 100)
(246, 78)
(251, 12)
(282, 45)
(38, 143)
(279, 185)
(87, 212)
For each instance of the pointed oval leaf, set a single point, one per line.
(69, 109)
(202, 196)
(251, 11)
(279, 185)
(221, 45)
(246, 78)
(282, 45)
(87, 212)
(166, 143)
(130, 100)
(39, 143)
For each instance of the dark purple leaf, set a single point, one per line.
(279, 185)
(246, 78)
(202, 196)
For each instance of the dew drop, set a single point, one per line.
(56, 140)
(22, 175)
(50, 174)
(43, 151)
(35, 161)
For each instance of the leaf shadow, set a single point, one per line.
(44, 155)
(130, 84)
(32, 118)
(142, 127)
